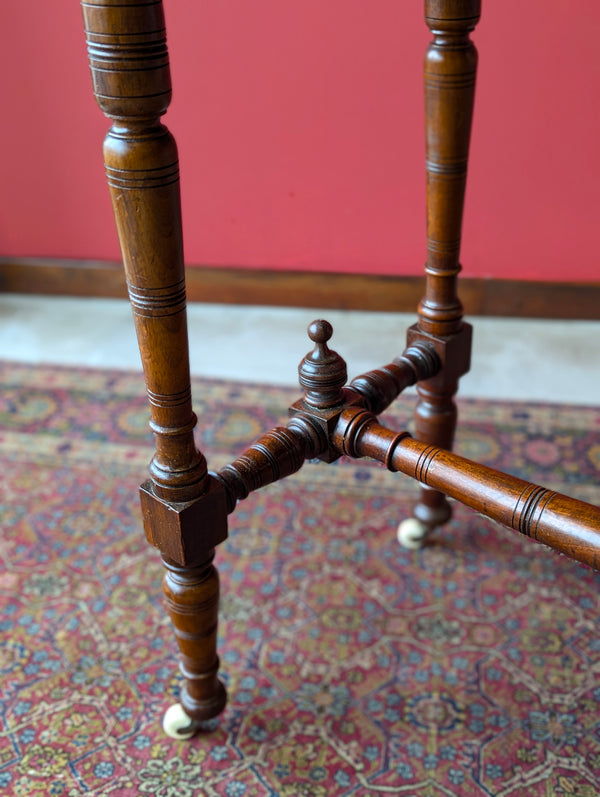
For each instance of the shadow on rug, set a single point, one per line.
(471, 667)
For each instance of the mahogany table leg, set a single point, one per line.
(192, 599)
(450, 68)
(184, 508)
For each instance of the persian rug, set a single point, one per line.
(354, 667)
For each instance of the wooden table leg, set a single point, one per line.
(450, 68)
(183, 507)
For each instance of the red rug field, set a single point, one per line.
(471, 667)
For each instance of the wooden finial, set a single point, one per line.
(322, 373)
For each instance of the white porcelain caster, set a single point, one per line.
(177, 724)
(412, 533)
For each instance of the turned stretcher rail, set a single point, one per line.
(321, 428)
(282, 451)
(569, 526)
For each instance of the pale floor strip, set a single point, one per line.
(520, 359)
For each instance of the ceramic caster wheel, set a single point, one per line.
(177, 724)
(412, 533)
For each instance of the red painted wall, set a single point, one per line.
(301, 136)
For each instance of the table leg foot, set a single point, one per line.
(177, 724)
(412, 534)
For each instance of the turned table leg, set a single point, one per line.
(183, 507)
(450, 68)
(192, 600)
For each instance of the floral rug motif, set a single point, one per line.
(354, 667)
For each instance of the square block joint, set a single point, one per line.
(326, 420)
(186, 532)
(454, 352)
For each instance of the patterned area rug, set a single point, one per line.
(471, 667)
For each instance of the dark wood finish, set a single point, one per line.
(192, 600)
(309, 433)
(329, 421)
(130, 74)
(275, 455)
(324, 290)
(569, 526)
(380, 387)
(185, 507)
(450, 69)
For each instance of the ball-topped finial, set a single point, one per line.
(320, 331)
(322, 373)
